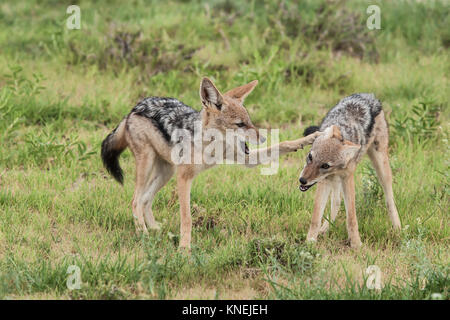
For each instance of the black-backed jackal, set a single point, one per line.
(355, 126)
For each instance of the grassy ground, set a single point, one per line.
(62, 91)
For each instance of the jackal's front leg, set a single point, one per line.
(294, 145)
(266, 155)
(348, 186)
(184, 182)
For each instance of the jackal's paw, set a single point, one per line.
(291, 146)
(355, 243)
(185, 250)
(302, 142)
(311, 239)
(141, 230)
(155, 226)
(310, 138)
(324, 228)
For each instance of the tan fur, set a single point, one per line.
(337, 134)
(336, 188)
(339, 178)
(154, 166)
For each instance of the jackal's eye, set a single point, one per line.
(325, 166)
(241, 124)
(309, 157)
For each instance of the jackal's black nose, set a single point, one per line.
(303, 181)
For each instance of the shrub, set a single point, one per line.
(421, 124)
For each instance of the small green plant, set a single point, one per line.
(18, 87)
(21, 85)
(47, 148)
(372, 189)
(163, 263)
(427, 278)
(421, 124)
(292, 256)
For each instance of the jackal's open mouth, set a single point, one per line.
(244, 147)
(304, 188)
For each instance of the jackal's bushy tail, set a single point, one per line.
(310, 130)
(112, 147)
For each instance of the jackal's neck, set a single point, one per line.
(205, 117)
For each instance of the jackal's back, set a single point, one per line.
(355, 117)
(167, 115)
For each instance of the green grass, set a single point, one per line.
(62, 91)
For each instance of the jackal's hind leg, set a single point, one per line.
(158, 178)
(145, 160)
(378, 154)
(320, 202)
(336, 199)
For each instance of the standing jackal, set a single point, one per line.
(356, 125)
(150, 131)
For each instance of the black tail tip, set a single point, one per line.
(310, 130)
(110, 158)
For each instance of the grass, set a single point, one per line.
(62, 91)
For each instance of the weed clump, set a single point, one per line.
(426, 278)
(372, 192)
(316, 70)
(126, 49)
(421, 124)
(292, 256)
(332, 27)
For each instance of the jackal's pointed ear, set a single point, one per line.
(240, 93)
(333, 132)
(350, 150)
(210, 96)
